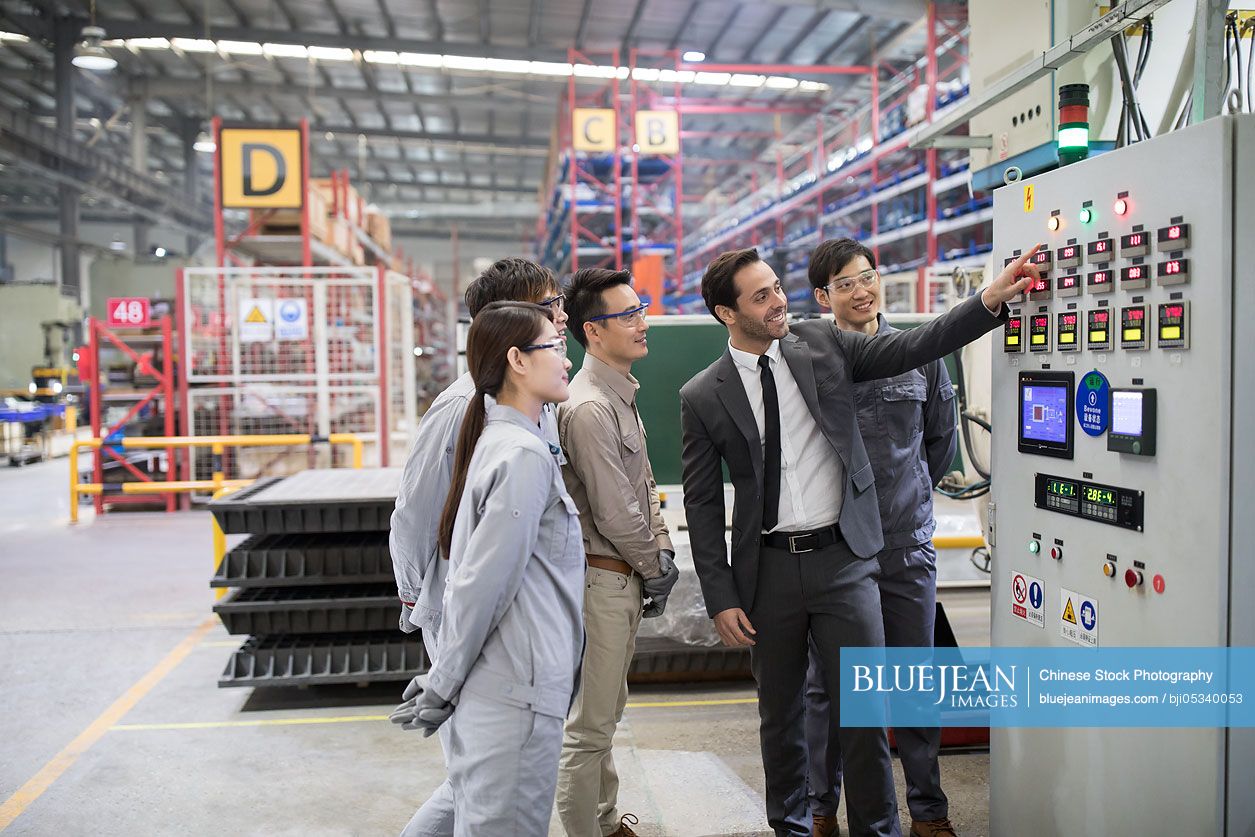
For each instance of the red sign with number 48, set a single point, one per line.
(128, 312)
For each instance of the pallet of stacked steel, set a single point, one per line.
(312, 585)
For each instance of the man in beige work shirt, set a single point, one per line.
(627, 545)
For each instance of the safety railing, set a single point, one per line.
(217, 444)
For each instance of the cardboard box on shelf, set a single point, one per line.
(379, 228)
(288, 221)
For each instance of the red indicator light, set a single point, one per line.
(1121, 206)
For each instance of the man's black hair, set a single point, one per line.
(584, 300)
(831, 257)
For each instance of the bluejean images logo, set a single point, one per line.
(1048, 687)
(961, 686)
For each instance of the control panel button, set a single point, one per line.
(1158, 583)
(1034, 547)
(1132, 578)
(1109, 570)
(1056, 552)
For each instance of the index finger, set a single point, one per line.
(1022, 260)
(745, 621)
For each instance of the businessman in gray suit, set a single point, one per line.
(778, 409)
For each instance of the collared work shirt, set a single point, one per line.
(607, 469)
(513, 623)
(811, 473)
(413, 538)
(908, 425)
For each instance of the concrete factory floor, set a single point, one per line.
(112, 721)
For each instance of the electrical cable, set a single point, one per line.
(1126, 83)
(965, 417)
(1148, 41)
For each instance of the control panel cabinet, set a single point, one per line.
(1123, 420)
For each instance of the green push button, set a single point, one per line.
(1034, 547)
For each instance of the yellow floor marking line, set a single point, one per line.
(357, 719)
(64, 760)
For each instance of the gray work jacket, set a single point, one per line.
(413, 540)
(513, 623)
(908, 427)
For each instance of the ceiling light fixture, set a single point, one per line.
(205, 144)
(693, 56)
(88, 52)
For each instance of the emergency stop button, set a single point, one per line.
(1132, 578)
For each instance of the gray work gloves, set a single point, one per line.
(656, 590)
(422, 708)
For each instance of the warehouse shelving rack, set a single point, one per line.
(856, 176)
(147, 354)
(366, 307)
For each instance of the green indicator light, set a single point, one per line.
(1087, 215)
(1034, 547)
(1074, 137)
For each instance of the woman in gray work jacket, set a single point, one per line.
(512, 634)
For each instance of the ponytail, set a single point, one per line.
(468, 437)
(495, 330)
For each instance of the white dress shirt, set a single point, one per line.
(811, 473)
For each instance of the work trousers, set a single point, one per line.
(435, 817)
(908, 601)
(588, 786)
(829, 594)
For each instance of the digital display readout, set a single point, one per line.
(1103, 496)
(1174, 325)
(1069, 282)
(1174, 237)
(1099, 281)
(1100, 250)
(1091, 501)
(1134, 276)
(1174, 271)
(1133, 327)
(1061, 488)
(1072, 251)
(1068, 331)
(1039, 333)
(1013, 334)
(1098, 322)
(1042, 257)
(1135, 244)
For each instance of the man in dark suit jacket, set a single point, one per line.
(778, 409)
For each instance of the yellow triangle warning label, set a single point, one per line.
(255, 316)
(1068, 614)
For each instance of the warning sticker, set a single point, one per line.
(1027, 598)
(1028, 198)
(1078, 621)
(256, 320)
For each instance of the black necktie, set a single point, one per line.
(771, 448)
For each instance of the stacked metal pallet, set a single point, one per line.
(312, 585)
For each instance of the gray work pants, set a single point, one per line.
(435, 817)
(908, 600)
(831, 595)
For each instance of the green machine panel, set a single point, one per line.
(680, 346)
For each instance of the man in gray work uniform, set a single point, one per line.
(413, 539)
(626, 543)
(908, 426)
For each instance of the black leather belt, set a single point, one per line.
(799, 542)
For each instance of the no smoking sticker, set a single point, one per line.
(1027, 599)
